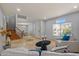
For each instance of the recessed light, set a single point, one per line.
(18, 9)
(75, 6)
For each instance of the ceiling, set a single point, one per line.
(38, 11)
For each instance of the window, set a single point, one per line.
(61, 28)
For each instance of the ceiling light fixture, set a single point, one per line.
(75, 6)
(18, 9)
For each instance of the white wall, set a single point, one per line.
(2, 24)
(39, 27)
(1, 18)
(73, 17)
(43, 27)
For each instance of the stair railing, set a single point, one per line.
(19, 32)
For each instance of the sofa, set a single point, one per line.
(49, 53)
(20, 51)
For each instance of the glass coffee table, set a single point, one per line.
(43, 46)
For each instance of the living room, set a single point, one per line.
(23, 25)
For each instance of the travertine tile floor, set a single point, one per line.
(27, 42)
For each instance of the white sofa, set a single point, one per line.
(73, 46)
(49, 53)
(21, 51)
(59, 51)
(1, 49)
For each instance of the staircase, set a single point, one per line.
(14, 35)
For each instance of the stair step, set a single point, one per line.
(14, 35)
